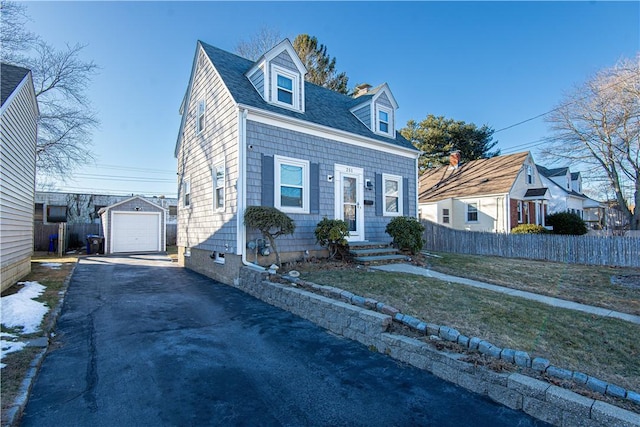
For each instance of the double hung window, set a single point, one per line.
(291, 184)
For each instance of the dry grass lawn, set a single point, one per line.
(18, 363)
(602, 347)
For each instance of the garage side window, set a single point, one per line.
(186, 193)
(218, 177)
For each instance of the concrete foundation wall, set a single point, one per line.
(13, 272)
(555, 405)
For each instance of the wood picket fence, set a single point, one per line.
(589, 250)
(76, 235)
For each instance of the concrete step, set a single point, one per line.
(375, 251)
(365, 244)
(379, 258)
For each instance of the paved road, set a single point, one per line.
(142, 342)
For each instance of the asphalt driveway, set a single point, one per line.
(143, 342)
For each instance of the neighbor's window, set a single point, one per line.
(200, 119)
(186, 193)
(529, 174)
(56, 214)
(291, 184)
(392, 195)
(173, 210)
(519, 205)
(445, 216)
(472, 212)
(218, 173)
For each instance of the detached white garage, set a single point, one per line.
(134, 225)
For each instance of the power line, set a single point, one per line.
(563, 105)
(68, 189)
(123, 178)
(128, 168)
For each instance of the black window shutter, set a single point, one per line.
(405, 196)
(314, 194)
(379, 194)
(267, 181)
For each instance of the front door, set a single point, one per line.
(349, 190)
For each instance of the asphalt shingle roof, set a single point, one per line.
(475, 178)
(10, 78)
(322, 106)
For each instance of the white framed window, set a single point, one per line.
(285, 88)
(200, 122)
(519, 207)
(392, 186)
(384, 121)
(529, 174)
(218, 175)
(472, 212)
(445, 216)
(186, 193)
(291, 184)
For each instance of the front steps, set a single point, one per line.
(374, 252)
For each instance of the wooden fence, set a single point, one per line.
(76, 235)
(589, 250)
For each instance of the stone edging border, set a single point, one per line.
(547, 402)
(519, 358)
(14, 413)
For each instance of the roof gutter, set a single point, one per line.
(342, 135)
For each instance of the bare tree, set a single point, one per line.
(598, 124)
(14, 38)
(260, 43)
(61, 80)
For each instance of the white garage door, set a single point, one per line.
(135, 232)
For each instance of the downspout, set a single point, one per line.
(242, 190)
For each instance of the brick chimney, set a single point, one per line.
(454, 159)
(361, 89)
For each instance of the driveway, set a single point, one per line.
(143, 342)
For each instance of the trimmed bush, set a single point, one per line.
(529, 229)
(407, 233)
(332, 233)
(271, 223)
(567, 223)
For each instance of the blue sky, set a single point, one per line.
(494, 63)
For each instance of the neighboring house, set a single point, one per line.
(565, 189)
(494, 195)
(73, 208)
(256, 133)
(134, 225)
(18, 137)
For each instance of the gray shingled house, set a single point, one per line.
(255, 133)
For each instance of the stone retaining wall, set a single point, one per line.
(539, 399)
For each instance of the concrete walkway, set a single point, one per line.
(555, 302)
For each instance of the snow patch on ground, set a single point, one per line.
(20, 310)
(52, 265)
(7, 347)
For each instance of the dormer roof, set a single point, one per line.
(323, 106)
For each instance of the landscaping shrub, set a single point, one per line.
(529, 229)
(567, 223)
(406, 232)
(271, 222)
(332, 233)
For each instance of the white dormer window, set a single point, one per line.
(285, 88)
(383, 121)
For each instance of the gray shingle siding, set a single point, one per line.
(257, 79)
(364, 115)
(285, 61)
(384, 101)
(199, 226)
(271, 140)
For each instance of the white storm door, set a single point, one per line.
(349, 191)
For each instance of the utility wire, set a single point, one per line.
(563, 105)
